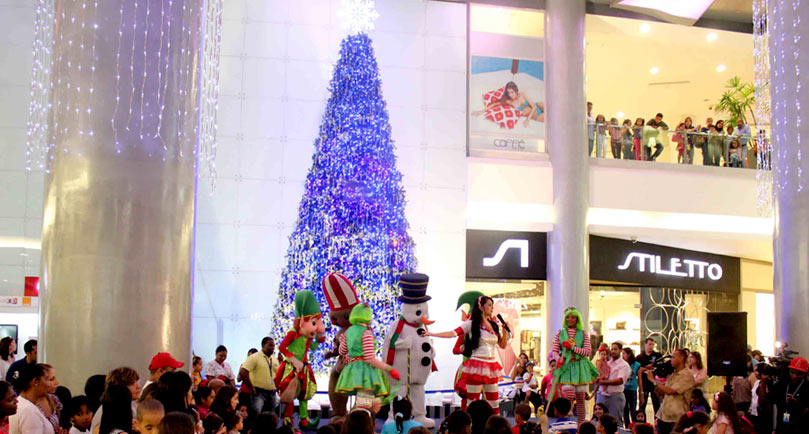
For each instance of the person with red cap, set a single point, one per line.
(161, 363)
(793, 399)
(342, 297)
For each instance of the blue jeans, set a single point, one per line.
(631, 408)
(658, 151)
(590, 145)
(265, 400)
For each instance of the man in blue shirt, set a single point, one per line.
(30, 348)
(743, 131)
(561, 423)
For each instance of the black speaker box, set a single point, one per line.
(727, 344)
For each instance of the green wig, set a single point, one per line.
(361, 314)
(579, 323)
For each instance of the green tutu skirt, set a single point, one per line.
(359, 375)
(576, 372)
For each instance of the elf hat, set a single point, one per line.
(306, 304)
(339, 292)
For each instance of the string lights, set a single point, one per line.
(761, 54)
(357, 16)
(146, 88)
(351, 218)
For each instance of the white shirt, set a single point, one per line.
(487, 346)
(214, 369)
(530, 380)
(74, 430)
(754, 401)
(29, 419)
(4, 366)
(618, 369)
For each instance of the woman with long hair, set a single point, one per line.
(174, 392)
(226, 401)
(637, 131)
(481, 371)
(517, 99)
(630, 387)
(32, 384)
(700, 372)
(50, 405)
(727, 418)
(203, 399)
(123, 376)
(7, 350)
(117, 417)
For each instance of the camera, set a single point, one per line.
(662, 367)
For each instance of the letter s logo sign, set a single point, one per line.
(522, 245)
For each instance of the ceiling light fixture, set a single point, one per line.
(711, 36)
(684, 12)
(645, 28)
(619, 114)
(654, 70)
(721, 68)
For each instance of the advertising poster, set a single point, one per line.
(506, 92)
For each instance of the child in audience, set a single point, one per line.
(213, 424)
(522, 420)
(601, 135)
(531, 386)
(402, 417)
(562, 423)
(679, 139)
(80, 415)
(233, 423)
(150, 414)
(602, 364)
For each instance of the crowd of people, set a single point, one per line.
(720, 144)
(207, 400)
(766, 401)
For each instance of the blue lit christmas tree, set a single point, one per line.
(351, 218)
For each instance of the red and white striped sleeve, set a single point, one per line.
(556, 347)
(586, 350)
(343, 349)
(368, 351)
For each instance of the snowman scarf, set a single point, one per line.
(391, 356)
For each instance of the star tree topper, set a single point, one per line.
(357, 16)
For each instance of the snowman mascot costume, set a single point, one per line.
(410, 353)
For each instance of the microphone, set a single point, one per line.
(502, 321)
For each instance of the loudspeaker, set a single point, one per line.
(727, 344)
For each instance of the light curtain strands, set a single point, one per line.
(786, 116)
(761, 65)
(210, 89)
(141, 79)
(38, 137)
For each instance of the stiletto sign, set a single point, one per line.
(505, 255)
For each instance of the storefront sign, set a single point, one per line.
(627, 262)
(505, 255)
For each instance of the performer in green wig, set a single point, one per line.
(574, 371)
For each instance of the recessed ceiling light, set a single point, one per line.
(721, 68)
(711, 36)
(619, 114)
(645, 28)
(654, 70)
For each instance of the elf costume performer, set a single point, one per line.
(574, 371)
(468, 298)
(481, 371)
(342, 298)
(364, 374)
(295, 379)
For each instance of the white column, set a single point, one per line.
(789, 87)
(118, 226)
(568, 260)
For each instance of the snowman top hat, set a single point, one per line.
(414, 288)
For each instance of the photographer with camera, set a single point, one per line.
(762, 409)
(792, 398)
(647, 358)
(676, 390)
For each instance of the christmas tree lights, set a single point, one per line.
(351, 218)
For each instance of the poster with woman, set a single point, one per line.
(506, 93)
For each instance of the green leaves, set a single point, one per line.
(738, 100)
